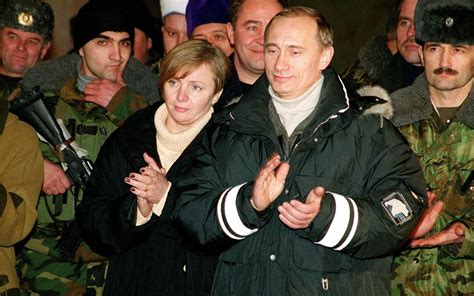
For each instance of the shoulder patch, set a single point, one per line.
(397, 208)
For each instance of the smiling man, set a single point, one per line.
(248, 20)
(26, 29)
(436, 115)
(311, 194)
(92, 101)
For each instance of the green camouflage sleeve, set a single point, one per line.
(125, 102)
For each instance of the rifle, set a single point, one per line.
(29, 107)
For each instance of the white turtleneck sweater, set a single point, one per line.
(170, 146)
(293, 111)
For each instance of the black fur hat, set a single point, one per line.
(445, 21)
(33, 16)
(98, 16)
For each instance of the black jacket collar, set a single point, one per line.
(250, 115)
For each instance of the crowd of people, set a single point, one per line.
(221, 154)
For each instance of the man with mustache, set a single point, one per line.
(92, 100)
(26, 29)
(436, 115)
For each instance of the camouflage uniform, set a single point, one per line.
(44, 267)
(446, 153)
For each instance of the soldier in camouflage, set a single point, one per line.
(26, 28)
(91, 102)
(436, 115)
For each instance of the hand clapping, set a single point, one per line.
(149, 185)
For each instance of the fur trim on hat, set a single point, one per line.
(445, 21)
(28, 16)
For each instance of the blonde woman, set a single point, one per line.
(126, 212)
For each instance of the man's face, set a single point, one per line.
(247, 36)
(21, 51)
(174, 31)
(448, 67)
(215, 34)
(141, 46)
(106, 55)
(406, 33)
(294, 58)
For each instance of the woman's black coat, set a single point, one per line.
(152, 259)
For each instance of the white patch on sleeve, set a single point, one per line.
(397, 208)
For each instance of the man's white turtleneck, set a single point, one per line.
(293, 111)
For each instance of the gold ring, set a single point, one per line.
(146, 187)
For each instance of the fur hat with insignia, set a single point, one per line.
(28, 15)
(445, 21)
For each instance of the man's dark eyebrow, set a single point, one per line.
(103, 37)
(110, 38)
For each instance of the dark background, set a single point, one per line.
(353, 22)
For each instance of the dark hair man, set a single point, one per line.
(311, 195)
(396, 71)
(89, 102)
(248, 20)
(436, 115)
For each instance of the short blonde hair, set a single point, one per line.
(190, 55)
(324, 33)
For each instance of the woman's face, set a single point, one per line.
(189, 98)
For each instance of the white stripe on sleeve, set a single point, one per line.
(228, 215)
(342, 221)
(354, 226)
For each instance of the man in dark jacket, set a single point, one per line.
(401, 69)
(249, 18)
(313, 196)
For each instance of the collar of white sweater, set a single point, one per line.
(170, 145)
(293, 111)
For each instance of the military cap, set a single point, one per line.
(28, 15)
(445, 21)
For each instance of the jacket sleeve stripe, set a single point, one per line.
(355, 222)
(341, 223)
(228, 215)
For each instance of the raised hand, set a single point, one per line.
(101, 91)
(298, 215)
(149, 185)
(452, 234)
(269, 182)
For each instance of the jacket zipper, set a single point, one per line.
(334, 116)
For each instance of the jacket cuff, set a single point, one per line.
(335, 225)
(232, 211)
